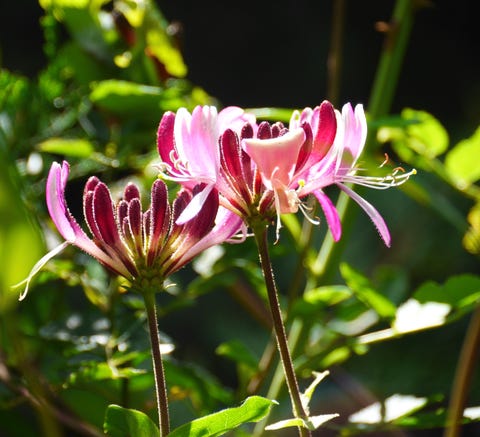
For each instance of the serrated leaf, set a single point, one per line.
(253, 409)
(461, 161)
(123, 422)
(365, 292)
(74, 147)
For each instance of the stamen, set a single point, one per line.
(305, 210)
(380, 183)
(386, 160)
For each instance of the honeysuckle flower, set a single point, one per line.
(141, 246)
(321, 148)
(188, 146)
(339, 167)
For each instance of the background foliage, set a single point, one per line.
(90, 84)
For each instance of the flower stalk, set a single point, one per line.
(260, 235)
(158, 370)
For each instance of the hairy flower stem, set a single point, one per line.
(160, 384)
(260, 233)
(462, 382)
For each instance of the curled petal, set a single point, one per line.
(331, 214)
(66, 224)
(374, 215)
(276, 157)
(57, 207)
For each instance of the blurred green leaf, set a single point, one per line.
(74, 147)
(461, 161)
(458, 291)
(272, 114)
(192, 381)
(123, 98)
(253, 409)
(123, 422)
(426, 135)
(238, 352)
(365, 292)
(421, 136)
(471, 239)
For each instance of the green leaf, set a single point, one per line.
(253, 409)
(238, 352)
(311, 423)
(426, 136)
(123, 422)
(74, 147)
(127, 98)
(273, 114)
(362, 288)
(461, 161)
(307, 395)
(471, 239)
(393, 408)
(458, 291)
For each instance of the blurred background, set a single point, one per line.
(276, 54)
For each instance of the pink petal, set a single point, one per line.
(234, 118)
(165, 138)
(276, 157)
(331, 214)
(195, 205)
(227, 224)
(66, 224)
(324, 130)
(196, 141)
(374, 215)
(355, 133)
(55, 189)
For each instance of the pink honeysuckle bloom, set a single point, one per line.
(188, 146)
(140, 246)
(321, 149)
(339, 167)
(257, 168)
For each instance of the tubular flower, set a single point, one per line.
(140, 246)
(339, 167)
(188, 146)
(253, 184)
(320, 149)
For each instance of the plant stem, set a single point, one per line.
(463, 376)
(260, 233)
(160, 384)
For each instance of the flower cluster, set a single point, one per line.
(140, 246)
(234, 173)
(264, 170)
